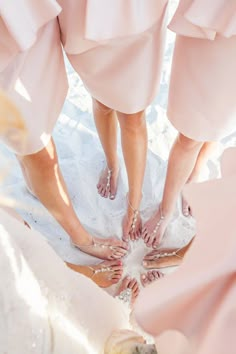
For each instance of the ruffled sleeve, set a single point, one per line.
(205, 18)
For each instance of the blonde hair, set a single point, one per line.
(10, 117)
(11, 125)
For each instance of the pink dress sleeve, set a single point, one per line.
(197, 301)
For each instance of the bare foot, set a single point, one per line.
(108, 181)
(150, 277)
(103, 274)
(109, 249)
(165, 257)
(131, 224)
(186, 209)
(128, 290)
(129, 232)
(154, 229)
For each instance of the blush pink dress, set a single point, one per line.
(193, 310)
(32, 70)
(45, 307)
(202, 103)
(116, 47)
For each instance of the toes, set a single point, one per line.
(119, 254)
(119, 246)
(186, 212)
(150, 276)
(125, 238)
(115, 264)
(123, 245)
(144, 279)
(115, 280)
(137, 235)
(155, 242)
(132, 235)
(126, 281)
(150, 241)
(136, 288)
(116, 276)
(157, 274)
(150, 255)
(102, 191)
(147, 264)
(117, 269)
(100, 188)
(105, 192)
(120, 250)
(133, 285)
(146, 238)
(144, 232)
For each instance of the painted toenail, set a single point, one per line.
(145, 263)
(143, 276)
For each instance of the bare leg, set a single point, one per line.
(201, 162)
(183, 157)
(134, 145)
(43, 175)
(106, 124)
(103, 274)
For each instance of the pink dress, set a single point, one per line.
(202, 102)
(193, 310)
(32, 70)
(45, 307)
(116, 47)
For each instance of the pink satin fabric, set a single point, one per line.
(19, 24)
(196, 304)
(98, 21)
(32, 70)
(205, 18)
(117, 48)
(201, 102)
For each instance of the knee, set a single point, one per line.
(132, 122)
(100, 107)
(44, 159)
(187, 144)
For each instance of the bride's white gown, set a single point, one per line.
(45, 307)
